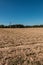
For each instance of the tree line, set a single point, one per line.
(20, 26)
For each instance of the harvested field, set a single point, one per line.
(21, 46)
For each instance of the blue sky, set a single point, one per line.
(27, 12)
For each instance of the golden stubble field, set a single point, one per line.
(22, 46)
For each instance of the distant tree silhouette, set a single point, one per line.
(2, 26)
(20, 26)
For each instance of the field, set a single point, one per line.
(21, 46)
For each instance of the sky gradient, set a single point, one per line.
(27, 12)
